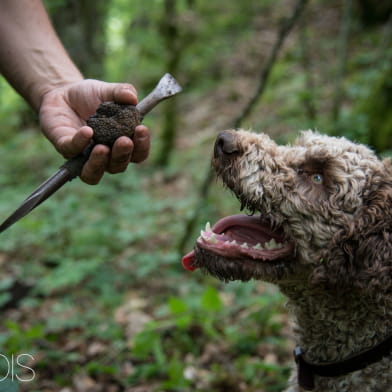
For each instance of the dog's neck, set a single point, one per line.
(331, 326)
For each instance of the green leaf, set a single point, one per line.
(177, 305)
(211, 301)
(175, 373)
(147, 343)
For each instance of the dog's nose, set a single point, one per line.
(226, 144)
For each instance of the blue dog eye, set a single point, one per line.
(317, 178)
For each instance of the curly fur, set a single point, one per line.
(339, 278)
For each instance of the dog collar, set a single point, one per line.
(307, 371)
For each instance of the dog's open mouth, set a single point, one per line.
(241, 237)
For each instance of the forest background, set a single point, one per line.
(92, 286)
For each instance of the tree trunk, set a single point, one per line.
(170, 32)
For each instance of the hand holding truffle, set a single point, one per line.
(110, 123)
(113, 121)
(63, 115)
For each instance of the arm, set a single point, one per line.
(32, 57)
(36, 64)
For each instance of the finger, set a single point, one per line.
(82, 138)
(142, 144)
(120, 155)
(126, 93)
(70, 145)
(96, 165)
(119, 92)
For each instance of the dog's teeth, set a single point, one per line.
(245, 245)
(209, 237)
(228, 242)
(267, 245)
(213, 239)
(258, 246)
(271, 245)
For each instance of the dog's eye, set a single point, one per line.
(317, 178)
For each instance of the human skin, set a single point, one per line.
(35, 63)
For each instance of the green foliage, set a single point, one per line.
(184, 327)
(376, 109)
(369, 119)
(11, 108)
(17, 339)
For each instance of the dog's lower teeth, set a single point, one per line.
(258, 246)
(272, 244)
(245, 245)
(208, 227)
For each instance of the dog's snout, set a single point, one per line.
(226, 144)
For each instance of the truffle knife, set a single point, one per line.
(166, 88)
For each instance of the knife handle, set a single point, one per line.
(75, 165)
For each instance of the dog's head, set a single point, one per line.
(321, 211)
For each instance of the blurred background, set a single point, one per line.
(92, 286)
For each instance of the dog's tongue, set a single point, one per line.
(187, 261)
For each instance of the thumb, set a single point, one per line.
(118, 92)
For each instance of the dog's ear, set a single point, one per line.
(373, 235)
(360, 255)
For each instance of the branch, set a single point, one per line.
(284, 31)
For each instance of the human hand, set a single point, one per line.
(63, 113)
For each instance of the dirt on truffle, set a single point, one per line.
(112, 120)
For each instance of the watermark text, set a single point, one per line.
(13, 366)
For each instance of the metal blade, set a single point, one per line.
(166, 88)
(46, 189)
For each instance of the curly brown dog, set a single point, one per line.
(321, 230)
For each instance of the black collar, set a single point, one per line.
(307, 371)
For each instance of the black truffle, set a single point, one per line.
(112, 120)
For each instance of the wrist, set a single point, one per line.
(55, 81)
